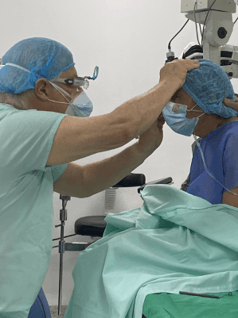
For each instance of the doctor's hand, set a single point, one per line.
(229, 103)
(176, 71)
(151, 139)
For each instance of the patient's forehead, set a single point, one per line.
(180, 96)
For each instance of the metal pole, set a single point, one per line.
(61, 251)
(63, 217)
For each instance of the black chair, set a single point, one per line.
(93, 226)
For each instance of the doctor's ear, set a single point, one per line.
(42, 88)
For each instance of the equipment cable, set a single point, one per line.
(169, 45)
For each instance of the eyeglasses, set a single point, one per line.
(79, 81)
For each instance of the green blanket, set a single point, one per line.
(174, 242)
(183, 306)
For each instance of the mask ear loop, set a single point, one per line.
(191, 110)
(59, 89)
(201, 115)
(200, 111)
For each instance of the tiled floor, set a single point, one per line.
(54, 311)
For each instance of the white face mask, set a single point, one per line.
(81, 106)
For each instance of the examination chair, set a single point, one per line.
(155, 305)
(91, 226)
(94, 226)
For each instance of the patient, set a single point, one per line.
(217, 125)
(142, 255)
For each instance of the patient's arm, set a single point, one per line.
(231, 199)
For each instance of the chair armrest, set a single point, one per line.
(168, 180)
(131, 180)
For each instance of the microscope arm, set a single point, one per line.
(218, 29)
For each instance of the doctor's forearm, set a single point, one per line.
(104, 174)
(141, 112)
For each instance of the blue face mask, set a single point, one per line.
(81, 106)
(175, 117)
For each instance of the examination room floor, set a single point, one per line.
(54, 311)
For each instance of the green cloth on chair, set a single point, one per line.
(174, 242)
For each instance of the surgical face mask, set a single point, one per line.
(175, 117)
(81, 106)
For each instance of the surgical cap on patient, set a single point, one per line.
(44, 58)
(208, 85)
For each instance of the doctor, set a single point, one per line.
(42, 71)
(44, 127)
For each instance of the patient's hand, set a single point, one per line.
(229, 103)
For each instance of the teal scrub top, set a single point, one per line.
(26, 205)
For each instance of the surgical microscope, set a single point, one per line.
(213, 18)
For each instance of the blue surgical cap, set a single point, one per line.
(44, 58)
(208, 85)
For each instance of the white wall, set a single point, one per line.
(128, 40)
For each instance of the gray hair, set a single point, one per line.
(19, 101)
